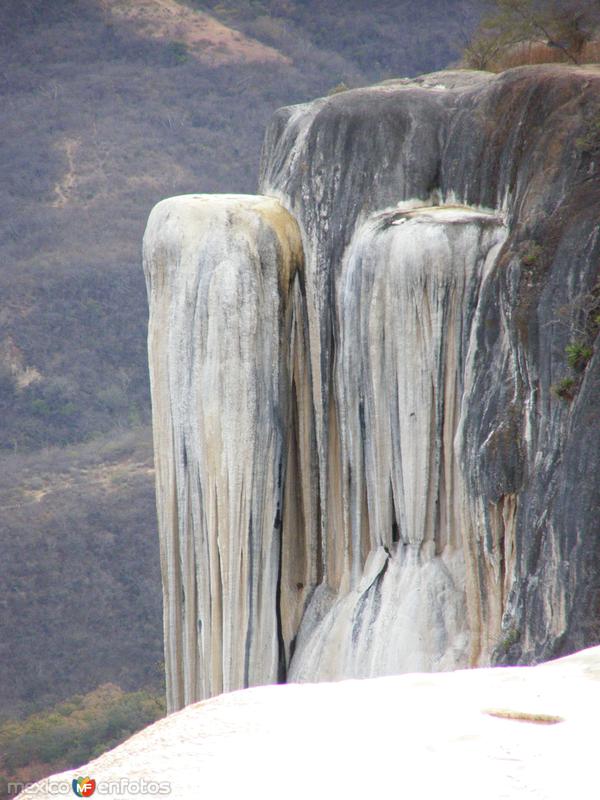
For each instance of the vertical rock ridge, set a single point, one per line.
(312, 156)
(406, 297)
(222, 276)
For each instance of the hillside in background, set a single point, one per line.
(107, 107)
(70, 733)
(80, 574)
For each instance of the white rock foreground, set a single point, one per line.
(422, 736)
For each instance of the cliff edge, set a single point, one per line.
(519, 733)
(427, 424)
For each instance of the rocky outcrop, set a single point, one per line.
(406, 297)
(431, 462)
(512, 733)
(225, 313)
(523, 144)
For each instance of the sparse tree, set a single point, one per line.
(564, 25)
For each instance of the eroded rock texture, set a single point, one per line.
(405, 298)
(224, 293)
(389, 431)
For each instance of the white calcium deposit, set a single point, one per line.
(264, 578)
(405, 299)
(487, 734)
(222, 285)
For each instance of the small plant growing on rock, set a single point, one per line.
(340, 87)
(590, 141)
(565, 389)
(582, 316)
(578, 355)
(512, 637)
(505, 642)
(532, 254)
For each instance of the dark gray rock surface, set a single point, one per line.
(525, 143)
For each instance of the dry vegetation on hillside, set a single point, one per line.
(104, 112)
(80, 602)
(513, 33)
(71, 733)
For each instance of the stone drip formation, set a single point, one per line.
(344, 406)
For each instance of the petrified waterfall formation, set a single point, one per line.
(224, 304)
(362, 467)
(405, 299)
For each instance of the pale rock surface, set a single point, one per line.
(222, 275)
(407, 294)
(415, 736)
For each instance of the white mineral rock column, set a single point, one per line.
(405, 300)
(224, 292)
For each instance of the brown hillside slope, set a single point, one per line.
(205, 37)
(100, 119)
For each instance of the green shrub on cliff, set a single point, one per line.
(578, 355)
(590, 140)
(565, 388)
(532, 253)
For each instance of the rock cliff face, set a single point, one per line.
(374, 453)
(222, 340)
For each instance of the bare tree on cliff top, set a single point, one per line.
(565, 26)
